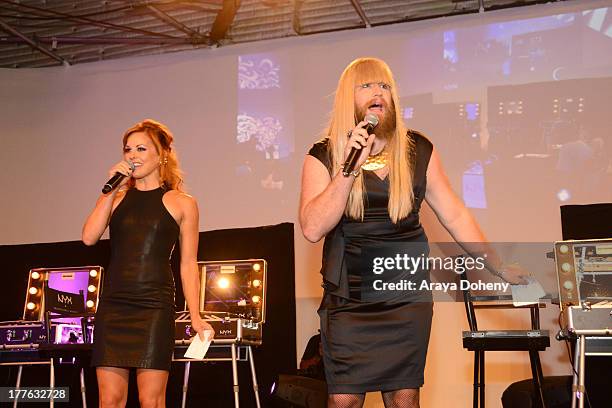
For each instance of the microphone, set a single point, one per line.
(114, 181)
(351, 160)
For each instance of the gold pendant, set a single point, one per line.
(376, 162)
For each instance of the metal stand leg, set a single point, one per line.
(575, 391)
(52, 382)
(185, 383)
(235, 376)
(254, 376)
(476, 376)
(481, 380)
(83, 395)
(581, 372)
(538, 378)
(18, 383)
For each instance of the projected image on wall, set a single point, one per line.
(511, 111)
(264, 132)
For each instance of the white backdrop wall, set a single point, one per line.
(244, 116)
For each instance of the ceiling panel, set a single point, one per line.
(40, 33)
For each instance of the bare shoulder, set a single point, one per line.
(181, 199)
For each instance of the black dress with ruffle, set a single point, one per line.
(375, 340)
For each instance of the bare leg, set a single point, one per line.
(112, 386)
(152, 387)
(345, 400)
(404, 398)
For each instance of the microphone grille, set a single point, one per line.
(132, 167)
(372, 119)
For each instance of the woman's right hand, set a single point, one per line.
(200, 326)
(98, 219)
(124, 168)
(359, 139)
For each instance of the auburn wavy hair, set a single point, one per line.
(170, 174)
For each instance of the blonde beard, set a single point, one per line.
(385, 129)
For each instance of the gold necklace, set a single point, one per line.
(376, 161)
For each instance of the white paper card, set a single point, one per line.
(198, 347)
(529, 294)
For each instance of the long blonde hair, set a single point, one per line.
(399, 146)
(170, 174)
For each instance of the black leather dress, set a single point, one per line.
(134, 325)
(375, 340)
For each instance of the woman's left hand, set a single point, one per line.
(200, 326)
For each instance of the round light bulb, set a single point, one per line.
(223, 283)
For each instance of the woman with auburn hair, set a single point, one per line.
(147, 214)
(376, 339)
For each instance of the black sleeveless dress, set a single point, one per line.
(375, 340)
(134, 325)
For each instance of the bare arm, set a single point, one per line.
(98, 219)
(449, 209)
(189, 236)
(323, 198)
(460, 223)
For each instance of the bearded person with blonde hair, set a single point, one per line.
(375, 340)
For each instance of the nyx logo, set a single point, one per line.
(64, 299)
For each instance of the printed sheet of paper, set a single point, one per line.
(198, 347)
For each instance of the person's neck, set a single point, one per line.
(378, 146)
(146, 184)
